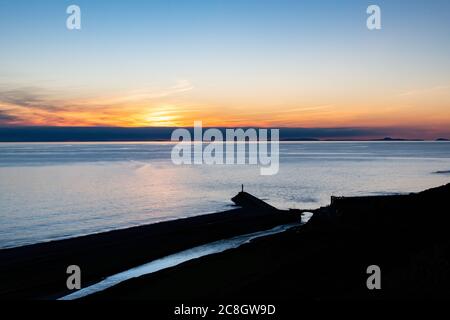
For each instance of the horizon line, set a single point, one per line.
(117, 134)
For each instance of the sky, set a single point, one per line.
(259, 63)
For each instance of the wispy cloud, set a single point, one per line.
(436, 89)
(6, 118)
(39, 106)
(28, 97)
(141, 95)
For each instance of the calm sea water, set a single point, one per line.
(56, 190)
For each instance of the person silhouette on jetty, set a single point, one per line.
(250, 202)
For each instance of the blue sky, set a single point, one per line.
(162, 40)
(240, 55)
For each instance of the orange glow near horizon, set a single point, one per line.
(174, 107)
(277, 64)
(172, 116)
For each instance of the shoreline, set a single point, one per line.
(175, 260)
(38, 271)
(325, 259)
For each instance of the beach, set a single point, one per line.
(39, 271)
(326, 258)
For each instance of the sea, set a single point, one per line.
(52, 191)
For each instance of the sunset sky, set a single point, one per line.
(230, 63)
